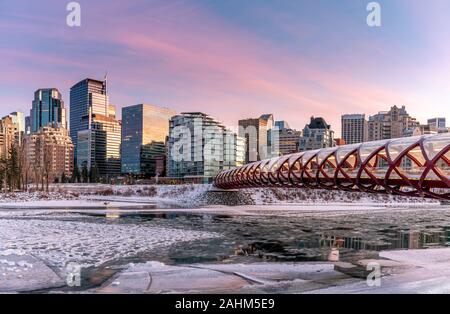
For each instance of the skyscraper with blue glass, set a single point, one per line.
(47, 109)
(87, 98)
(94, 130)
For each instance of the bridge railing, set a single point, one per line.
(412, 166)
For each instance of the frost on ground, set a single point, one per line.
(200, 195)
(19, 197)
(89, 244)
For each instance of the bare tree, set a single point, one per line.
(47, 166)
(3, 165)
(26, 171)
(36, 174)
(21, 167)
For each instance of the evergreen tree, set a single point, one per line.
(12, 169)
(75, 174)
(63, 178)
(94, 175)
(2, 173)
(85, 174)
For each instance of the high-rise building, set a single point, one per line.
(201, 147)
(257, 135)
(144, 132)
(9, 136)
(281, 125)
(50, 150)
(438, 125)
(93, 119)
(27, 125)
(354, 128)
(18, 119)
(47, 109)
(112, 111)
(99, 146)
(88, 97)
(419, 130)
(394, 123)
(288, 139)
(239, 148)
(316, 135)
(234, 150)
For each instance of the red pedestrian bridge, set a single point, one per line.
(413, 166)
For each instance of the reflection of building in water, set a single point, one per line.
(334, 255)
(407, 240)
(418, 240)
(403, 240)
(354, 243)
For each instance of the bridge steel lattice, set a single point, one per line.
(413, 166)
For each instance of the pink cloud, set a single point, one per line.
(197, 61)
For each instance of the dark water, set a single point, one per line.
(295, 237)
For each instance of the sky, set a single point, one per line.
(234, 59)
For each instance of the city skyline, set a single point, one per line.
(234, 126)
(233, 59)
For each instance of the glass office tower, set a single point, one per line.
(201, 147)
(87, 98)
(94, 128)
(144, 132)
(47, 109)
(99, 147)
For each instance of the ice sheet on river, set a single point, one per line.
(155, 277)
(21, 273)
(428, 272)
(413, 271)
(89, 244)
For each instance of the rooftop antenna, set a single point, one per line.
(105, 82)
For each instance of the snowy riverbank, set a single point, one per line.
(192, 196)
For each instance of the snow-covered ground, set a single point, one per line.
(77, 204)
(20, 197)
(191, 196)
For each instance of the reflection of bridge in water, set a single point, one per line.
(413, 166)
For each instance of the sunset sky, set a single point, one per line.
(234, 59)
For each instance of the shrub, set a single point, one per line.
(128, 192)
(106, 192)
(149, 191)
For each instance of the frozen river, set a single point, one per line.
(41, 243)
